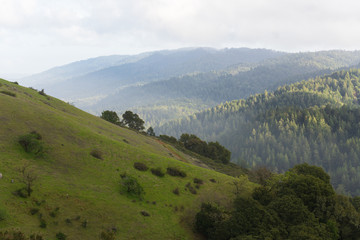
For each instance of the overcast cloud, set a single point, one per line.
(38, 34)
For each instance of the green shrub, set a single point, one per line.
(42, 92)
(8, 93)
(198, 181)
(176, 191)
(43, 223)
(61, 236)
(18, 235)
(3, 215)
(140, 166)
(96, 153)
(31, 143)
(132, 186)
(175, 172)
(34, 211)
(158, 172)
(107, 235)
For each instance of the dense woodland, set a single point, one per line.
(300, 204)
(314, 121)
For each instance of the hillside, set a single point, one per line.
(313, 121)
(161, 101)
(76, 161)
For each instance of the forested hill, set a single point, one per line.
(314, 121)
(161, 101)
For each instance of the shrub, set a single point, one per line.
(145, 214)
(84, 224)
(132, 186)
(42, 92)
(158, 172)
(3, 215)
(31, 143)
(140, 166)
(175, 172)
(34, 211)
(191, 188)
(107, 235)
(213, 180)
(8, 93)
(42, 223)
(18, 235)
(61, 236)
(198, 181)
(96, 153)
(176, 191)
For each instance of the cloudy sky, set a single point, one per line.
(39, 34)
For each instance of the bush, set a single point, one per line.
(34, 211)
(31, 143)
(107, 235)
(132, 186)
(42, 223)
(61, 236)
(198, 181)
(175, 172)
(96, 153)
(176, 191)
(158, 172)
(145, 214)
(140, 166)
(3, 215)
(8, 93)
(42, 92)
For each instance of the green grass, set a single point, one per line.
(85, 188)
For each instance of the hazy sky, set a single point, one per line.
(38, 34)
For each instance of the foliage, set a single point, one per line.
(175, 172)
(140, 166)
(150, 132)
(110, 116)
(132, 121)
(107, 235)
(132, 187)
(299, 204)
(61, 236)
(158, 172)
(96, 153)
(18, 235)
(27, 177)
(8, 93)
(3, 215)
(211, 150)
(31, 143)
(313, 121)
(42, 92)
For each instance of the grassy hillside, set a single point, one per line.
(80, 195)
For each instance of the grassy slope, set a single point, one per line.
(80, 185)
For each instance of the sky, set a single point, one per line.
(36, 35)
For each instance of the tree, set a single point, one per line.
(150, 132)
(133, 121)
(110, 116)
(27, 177)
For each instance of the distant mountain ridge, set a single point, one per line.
(170, 84)
(106, 74)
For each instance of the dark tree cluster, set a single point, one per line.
(211, 150)
(300, 204)
(130, 119)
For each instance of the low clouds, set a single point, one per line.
(38, 34)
